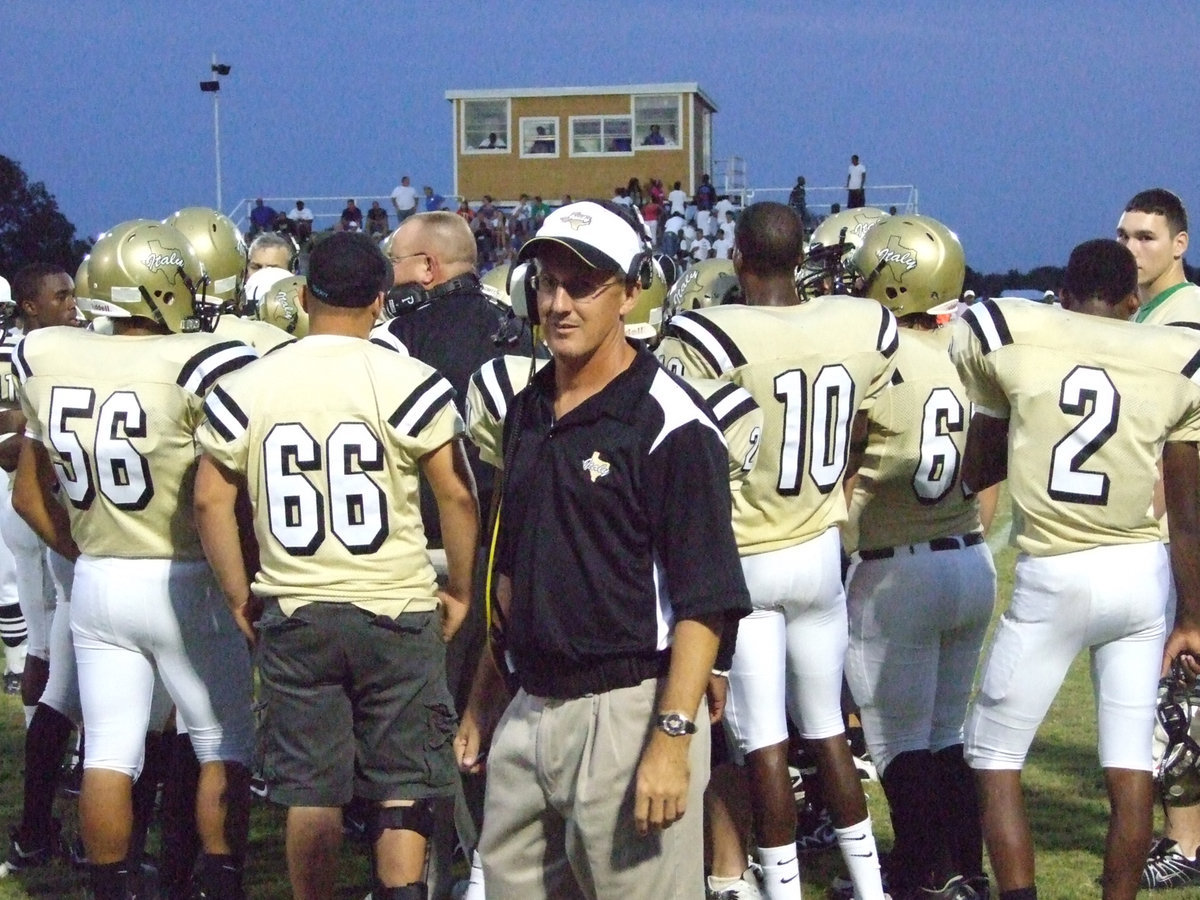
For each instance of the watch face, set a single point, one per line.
(675, 724)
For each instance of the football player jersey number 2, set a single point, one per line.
(114, 465)
(293, 466)
(1090, 393)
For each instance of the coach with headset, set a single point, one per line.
(442, 316)
(617, 576)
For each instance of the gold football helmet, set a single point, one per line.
(280, 305)
(709, 282)
(220, 246)
(644, 322)
(910, 264)
(495, 283)
(830, 247)
(147, 269)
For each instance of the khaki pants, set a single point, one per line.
(558, 818)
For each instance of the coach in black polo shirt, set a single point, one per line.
(618, 573)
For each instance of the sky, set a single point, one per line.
(1024, 126)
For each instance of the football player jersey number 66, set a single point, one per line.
(357, 505)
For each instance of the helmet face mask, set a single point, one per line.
(830, 247)
(910, 264)
(147, 270)
(1176, 752)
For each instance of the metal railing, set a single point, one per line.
(820, 199)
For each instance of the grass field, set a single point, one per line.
(1063, 784)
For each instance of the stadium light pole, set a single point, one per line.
(214, 87)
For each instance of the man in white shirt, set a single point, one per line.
(301, 218)
(856, 184)
(404, 198)
(677, 199)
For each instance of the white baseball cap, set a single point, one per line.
(598, 236)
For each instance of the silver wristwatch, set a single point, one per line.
(675, 724)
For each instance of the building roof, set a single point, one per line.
(680, 87)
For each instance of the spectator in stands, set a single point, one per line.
(377, 220)
(541, 209)
(722, 248)
(543, 143)
(728, 227)
(678, 199)
(634, 192)
(352, 217)
(656, 191)
(654, 138)
(672, 232)
(433, 201)
(464, 210)
(301, 218)
(856, 184)
(706, 194)
(798, 200)
(621, 197)
(651, 212)
(404, 199)
(262, 217)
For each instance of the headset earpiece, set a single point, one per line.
(524, 297)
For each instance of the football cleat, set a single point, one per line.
(1167, 867)
(25, 853)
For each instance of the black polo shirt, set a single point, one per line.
(456, 332)
(615, 521)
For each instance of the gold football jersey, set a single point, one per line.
(1179, 306)
(909, 488)
(490, 393)
(333, 482)
(262, 336)
(810, 368)
(496, 382)
(8, 380)
(118, 415)
(1090, 403)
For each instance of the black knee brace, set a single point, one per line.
(418, 817)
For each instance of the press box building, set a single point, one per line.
(582, 141)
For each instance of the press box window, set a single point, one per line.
(601, 135)
(657, 118)
(485, 126)
(539, 137)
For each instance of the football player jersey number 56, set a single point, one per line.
(121, 473)
(296, 508)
